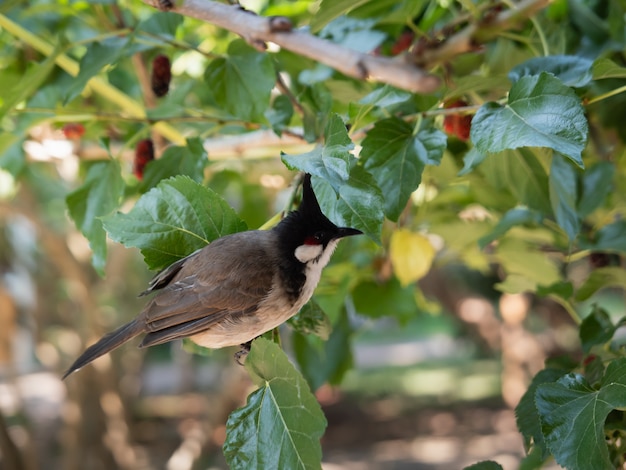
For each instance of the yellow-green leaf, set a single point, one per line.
(411, 255)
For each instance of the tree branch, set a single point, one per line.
(257, 29)
(478, 33)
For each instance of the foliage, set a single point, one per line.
(544, 163)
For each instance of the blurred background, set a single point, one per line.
(437, 369)
(424, 363)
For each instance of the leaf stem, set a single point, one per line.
(606, 95)
(568, 308)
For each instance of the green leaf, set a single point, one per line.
(562, 289)
(161, 24)
(98, 56)
(606, 68)
(564, 195)
(311, 319)
(611, 237)
(172, 220)
(176, 160)
(385, 97)
(354, 34)
(514, 217)
(377, 300)
(99, 195)
(357, 201)
(325, 361)
(573, 416)
(596, 328)
(241, 83)
(526, 414)
(280, 114)
(519, 257)
(12, 158)
(597, 183)
(485, 465)
(600, 279)
(331, 9)
(282, 423)
(317, 103)
(541, 112)
(397, 159)
(572, 70)
(33, 78)
(521, 173)
(471, 160)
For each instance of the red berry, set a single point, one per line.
(589, 359)
(403, 42)
(458, 125)
(73, 131)
(161, 75)
(597, 259)
(144, 153)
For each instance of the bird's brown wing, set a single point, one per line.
(211, 285)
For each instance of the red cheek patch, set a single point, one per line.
(311, 241)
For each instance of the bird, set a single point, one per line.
(236, 288)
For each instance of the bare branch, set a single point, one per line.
(256, 29)
(475, 34)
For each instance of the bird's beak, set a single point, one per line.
(347, 232)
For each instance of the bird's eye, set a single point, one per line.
(319, 236)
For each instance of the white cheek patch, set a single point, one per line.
(306, 253)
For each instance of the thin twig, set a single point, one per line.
(256, 29)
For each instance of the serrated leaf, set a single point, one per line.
(541, 112)
(564, 195)
(241, 82)
(606, 68)
(573, 416)
(99, 195)
(311, 319)
(331, 162)
(172, 220)
(397, 159)
(596, 328)
(384, 97)
(356, 200)
(600, 279)
(572, 70)
(597, 183)
(514, 217)
(98, 56)
(325, 361)
(282, 423)
(411, 256)
(189, 160)
(526, 414)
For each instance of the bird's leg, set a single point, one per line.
(243, 352)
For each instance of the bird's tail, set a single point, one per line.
(107, 343)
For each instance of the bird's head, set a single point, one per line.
(307, 233)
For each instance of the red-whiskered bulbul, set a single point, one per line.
(237, 287)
